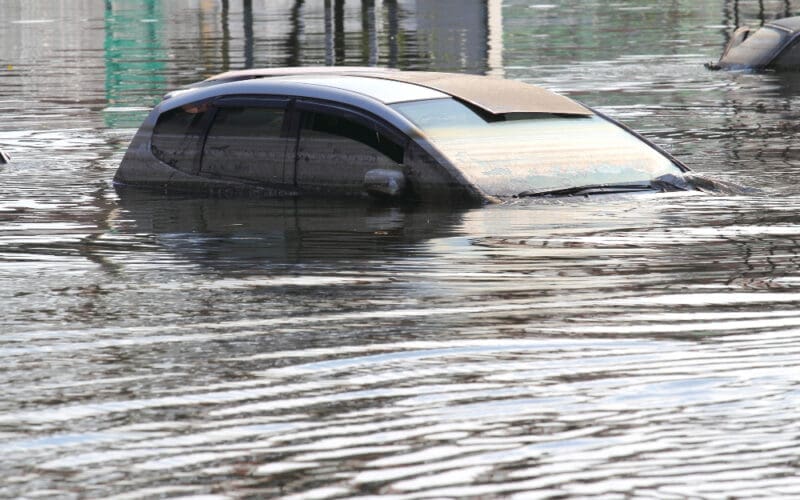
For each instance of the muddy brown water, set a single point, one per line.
(179, 347)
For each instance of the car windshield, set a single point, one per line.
(534, 153)
(757, 49)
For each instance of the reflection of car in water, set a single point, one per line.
(231, 232)
(774, 46)
(391, 134)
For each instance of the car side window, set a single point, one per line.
(336, 149)
(241, 121)
(245, 142)
(176, 136)
(318, 124)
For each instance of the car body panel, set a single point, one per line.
(774, 46)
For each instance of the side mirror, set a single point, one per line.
(383, 182)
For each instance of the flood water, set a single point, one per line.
(180, 347)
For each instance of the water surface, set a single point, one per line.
(183, 347)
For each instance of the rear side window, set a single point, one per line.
(176, 136)
(323, 124)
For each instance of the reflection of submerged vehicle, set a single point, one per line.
(358, 131)
(774, 46)
(232, 233)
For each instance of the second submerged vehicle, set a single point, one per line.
(773, 47)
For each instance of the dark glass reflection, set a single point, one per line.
(231, 233)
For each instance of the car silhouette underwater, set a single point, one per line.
(389, 134)
(773, 47)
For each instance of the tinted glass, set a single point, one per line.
(324, 124)
(246, 143)
(548, 152)
(176, 137)
(241, 122)
(334, 153)
(757, 49)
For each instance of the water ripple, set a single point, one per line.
(158, 346)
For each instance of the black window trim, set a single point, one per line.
(249, 100)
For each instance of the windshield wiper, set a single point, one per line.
(588, 189)
(667, 182)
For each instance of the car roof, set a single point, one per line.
(385, 91)
(491, 94)
(789, 23)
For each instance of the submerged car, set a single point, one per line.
(774, 46)
(419, 136)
